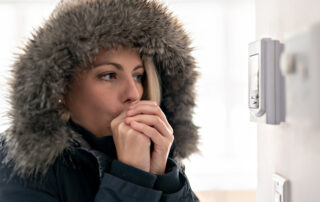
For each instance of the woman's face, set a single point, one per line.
(97, 96)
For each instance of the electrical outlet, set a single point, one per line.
(280, 188)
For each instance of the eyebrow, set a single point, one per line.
(118, 66)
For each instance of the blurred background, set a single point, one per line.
(238, 158)
(226, 168)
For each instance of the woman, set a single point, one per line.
(102, 102)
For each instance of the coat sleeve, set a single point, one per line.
(17, 192)
(28, 190)
(126, 183)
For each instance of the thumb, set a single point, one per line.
(121, 116)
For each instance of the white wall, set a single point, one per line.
(290, 150)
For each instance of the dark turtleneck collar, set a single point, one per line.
(103, 144)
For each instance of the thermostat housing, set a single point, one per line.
(266, 84)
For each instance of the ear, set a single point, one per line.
(63, 96)
(62, 100)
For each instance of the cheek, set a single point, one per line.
(94, 99)
(102, 99)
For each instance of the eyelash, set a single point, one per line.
(108, 74)
(114, 76)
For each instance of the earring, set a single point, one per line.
(59, 100)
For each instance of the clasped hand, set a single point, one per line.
(135, 128)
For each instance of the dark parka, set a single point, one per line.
(43, 157)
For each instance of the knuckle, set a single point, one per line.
(131, 131)
(158, 109)
(119, 129)
(121, 126)
(171, 138)
(157, 119)
(113, 123)
(154, 132)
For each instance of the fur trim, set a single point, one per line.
(72, 37)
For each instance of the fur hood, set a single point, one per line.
(71, 37)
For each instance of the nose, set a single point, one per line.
(131, 92)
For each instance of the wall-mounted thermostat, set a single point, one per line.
(266, 84)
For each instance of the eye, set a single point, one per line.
(139, 77)
(108, 76)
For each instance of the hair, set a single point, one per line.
(151, 87)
